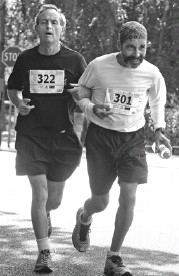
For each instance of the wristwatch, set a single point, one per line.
(161, 129)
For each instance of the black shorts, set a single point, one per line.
(112, 154)
(57, 157)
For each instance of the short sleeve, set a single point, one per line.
(14, 81)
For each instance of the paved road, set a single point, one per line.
(151, 247)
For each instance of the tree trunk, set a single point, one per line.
(162, 32)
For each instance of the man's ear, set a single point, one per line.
(36, 28)
(63, 30)
(119, 45)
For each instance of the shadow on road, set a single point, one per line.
(18, 254)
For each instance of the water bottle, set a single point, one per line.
(108, 99)
(113, 107)
(163, 151)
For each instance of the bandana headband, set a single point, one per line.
(132, 30)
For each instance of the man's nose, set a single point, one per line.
(137, 53)
(49, 24)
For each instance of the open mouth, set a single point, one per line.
(135, 60)
(48, 34)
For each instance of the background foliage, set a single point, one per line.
(92, 29)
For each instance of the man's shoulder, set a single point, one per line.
(107, 58)
(29, 52)
(150, 66)
(68, 51)
(150, 69)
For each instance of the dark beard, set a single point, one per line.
(131, 58)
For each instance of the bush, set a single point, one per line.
(172, 126)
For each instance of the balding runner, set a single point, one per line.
(120, 86)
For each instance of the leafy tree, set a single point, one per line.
(20, 23)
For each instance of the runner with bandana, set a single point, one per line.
(120, 86)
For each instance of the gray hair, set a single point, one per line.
(51, 7)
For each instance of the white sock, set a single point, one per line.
(112, 253)
(85, 222)
(42, 244)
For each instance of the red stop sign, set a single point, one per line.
(10, 54)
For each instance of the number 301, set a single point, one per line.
(123, 99)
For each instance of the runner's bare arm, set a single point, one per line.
(82, 95)
(79, 92)
(15, 96)
(16, 99)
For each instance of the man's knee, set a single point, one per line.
(127, 201)
(55, 204)
(127, 197)
(54, 200)
(100, 202)
(55, 194)
(39, 199)
(39, 190)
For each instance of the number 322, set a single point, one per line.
(46, 78)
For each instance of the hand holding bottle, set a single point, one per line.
(162, 145)
(162, 151)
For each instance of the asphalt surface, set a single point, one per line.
(151, 247)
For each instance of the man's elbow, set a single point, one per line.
(84, 92)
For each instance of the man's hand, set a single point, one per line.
(79, 92)
(161, 139)
(102, 110)
(24, 108)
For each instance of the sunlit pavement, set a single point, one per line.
(151, 247)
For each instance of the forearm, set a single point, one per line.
(15, 96)
(85, 92)
(157, 101)
(158, 116)
(86, 106)
(79, 92)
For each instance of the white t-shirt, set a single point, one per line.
(127, 90)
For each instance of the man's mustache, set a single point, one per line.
(131, 58)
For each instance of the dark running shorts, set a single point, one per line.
(112, 154)
(57, 157)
